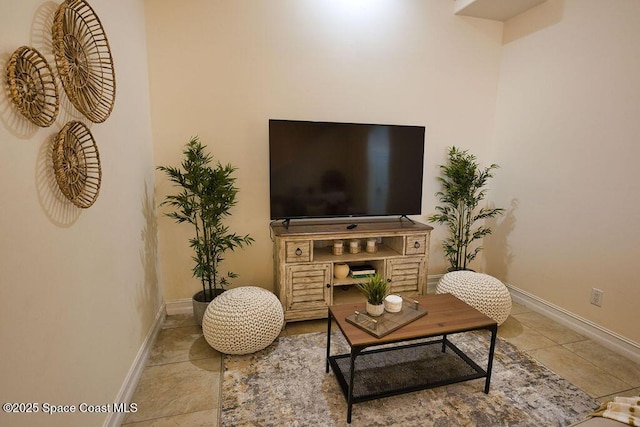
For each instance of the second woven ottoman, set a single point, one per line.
(243, 320)
(483, 292)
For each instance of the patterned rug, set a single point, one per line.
(286, 385)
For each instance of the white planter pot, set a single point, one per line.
(375, 310)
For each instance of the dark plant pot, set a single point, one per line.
(201, 301)
(450, 269)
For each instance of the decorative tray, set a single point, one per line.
(388, 322)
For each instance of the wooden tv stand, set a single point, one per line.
(304, 262)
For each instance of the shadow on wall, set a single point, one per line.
(41, 30)
(497, 252)
(147, 295)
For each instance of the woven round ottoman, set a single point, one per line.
(243, 320)
(481, 291)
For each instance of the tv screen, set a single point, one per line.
(322, 169)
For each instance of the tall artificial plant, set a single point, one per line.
(462, 181)
(205, 198)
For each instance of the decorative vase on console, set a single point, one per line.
(340, 270)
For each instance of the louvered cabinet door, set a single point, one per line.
(407, 275)
(308, 286)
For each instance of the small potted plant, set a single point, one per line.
(206, 195)
(375, 289)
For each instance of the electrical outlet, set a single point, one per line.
(596, 297)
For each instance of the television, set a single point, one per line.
(328, 169)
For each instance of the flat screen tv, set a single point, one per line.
(322, 169)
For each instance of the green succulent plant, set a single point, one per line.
(375, 289)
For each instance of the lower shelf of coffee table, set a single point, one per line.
(398, 369)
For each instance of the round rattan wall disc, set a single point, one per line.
(32, 86)
(83, 59)
(76, 164)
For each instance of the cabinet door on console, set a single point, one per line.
(407, 275)
(308, 286)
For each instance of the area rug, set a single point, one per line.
(286, 385)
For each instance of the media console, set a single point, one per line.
(304, 261)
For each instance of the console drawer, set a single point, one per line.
(298, 251)
(416, 245)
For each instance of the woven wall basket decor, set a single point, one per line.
(32, 86)
(76, 164)
(83, 59)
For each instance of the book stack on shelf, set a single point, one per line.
(362, 271)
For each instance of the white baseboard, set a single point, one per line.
(114, 419)
(180, 306)
(432, 282)
(185, 306)
(603, 336)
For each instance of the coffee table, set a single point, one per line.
(446, 315)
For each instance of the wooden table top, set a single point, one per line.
(447, 315)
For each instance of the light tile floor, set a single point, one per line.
(181, 385)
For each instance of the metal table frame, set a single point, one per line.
(347, 384)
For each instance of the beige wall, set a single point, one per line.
(567, 138)
(222, 69)
(556, 106)
(78, 288)
(563, 88)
